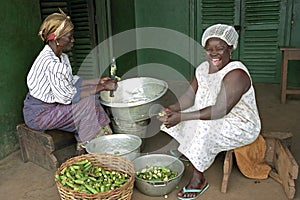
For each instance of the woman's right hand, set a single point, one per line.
(169, 117)
(108, 84)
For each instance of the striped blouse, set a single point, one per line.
(50, 79)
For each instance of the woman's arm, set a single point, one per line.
(186, 100)
(234, 85)
(87, 82)
(94, 86)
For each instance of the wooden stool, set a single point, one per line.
(45, 148)
(289, 53)
(227, 167)
(285, 169)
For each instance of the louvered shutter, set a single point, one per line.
(216, 11)
(260, 39)
(84, 62)
(50, 6)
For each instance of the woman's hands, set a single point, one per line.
(94, 86)
(107, 84)
(169, 117)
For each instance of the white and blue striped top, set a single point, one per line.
(50, 79)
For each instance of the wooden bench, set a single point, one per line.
(289, 53)
(48, 149)
(278, 156)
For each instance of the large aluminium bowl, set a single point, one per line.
(158, 188)
(124, 145)
(134, 97)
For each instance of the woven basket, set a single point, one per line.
(108, 162)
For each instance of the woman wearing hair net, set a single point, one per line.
(217, 113)
(57, 99)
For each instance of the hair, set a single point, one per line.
(55, 26)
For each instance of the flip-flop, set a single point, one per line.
(199, 191)
(180, 156)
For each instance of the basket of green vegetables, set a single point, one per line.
(157, 174)
(95, 176)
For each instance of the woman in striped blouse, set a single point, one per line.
(57, 99)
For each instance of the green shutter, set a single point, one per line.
(214, 11)
(86, 60)
(260, 39)
(50, 6)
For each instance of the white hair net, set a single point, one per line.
(225, 32)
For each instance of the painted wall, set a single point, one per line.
(19, 44)
(122, 20)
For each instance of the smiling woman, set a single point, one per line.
(218, 110)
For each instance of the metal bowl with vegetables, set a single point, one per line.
(157, 174)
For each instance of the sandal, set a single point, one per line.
(80, 150)
(198, 191)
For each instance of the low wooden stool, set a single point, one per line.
(47, 149)
(285, 169)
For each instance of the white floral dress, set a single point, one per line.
(202, 140)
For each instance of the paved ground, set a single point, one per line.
(26, 181)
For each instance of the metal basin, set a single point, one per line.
(125, 145)
(158, 188)
(134, 97)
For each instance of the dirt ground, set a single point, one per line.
(27, 181)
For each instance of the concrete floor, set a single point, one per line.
(27, 181)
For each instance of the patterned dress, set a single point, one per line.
(202, 140)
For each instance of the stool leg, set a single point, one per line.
(21, 143)
(227, 167)
(284, 79)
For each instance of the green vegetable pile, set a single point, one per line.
(156, 173)
(83, 176)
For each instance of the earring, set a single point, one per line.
(57, 43)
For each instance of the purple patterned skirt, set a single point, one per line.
(85, 118)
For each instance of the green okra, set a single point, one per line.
(156, 173)
(83, 162)
(81, 182)
(83, 176)
(90, 188)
